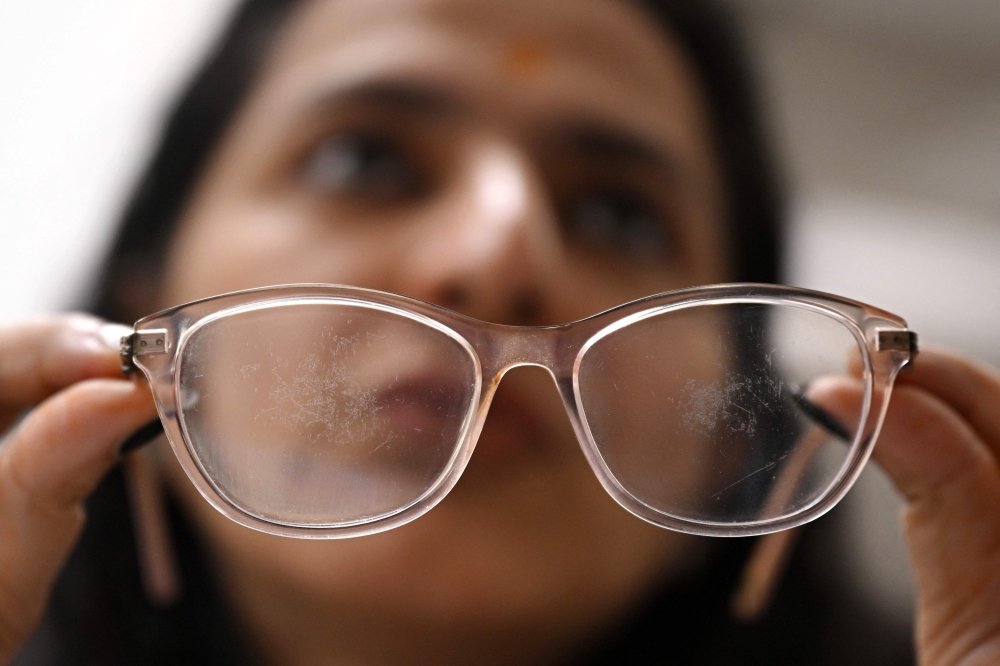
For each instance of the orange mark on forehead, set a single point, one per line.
(527, 59)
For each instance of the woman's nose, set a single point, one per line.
(485, 248)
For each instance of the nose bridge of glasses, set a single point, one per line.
(502, 348)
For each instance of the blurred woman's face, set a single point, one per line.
(521, 162)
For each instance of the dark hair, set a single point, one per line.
(754, 201)
(198, 121)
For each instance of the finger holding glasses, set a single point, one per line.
(940, 444)
(65, 371)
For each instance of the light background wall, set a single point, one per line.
(886, 114)
(83, 87)
(887, 117)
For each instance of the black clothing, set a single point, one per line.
(98, 613)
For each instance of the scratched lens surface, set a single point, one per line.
(324, 412)
(703, 413)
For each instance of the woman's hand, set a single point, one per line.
(69, 367)
(940, 444)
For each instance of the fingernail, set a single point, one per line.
(112, 334)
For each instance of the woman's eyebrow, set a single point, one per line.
(413, 97)
(605, 142)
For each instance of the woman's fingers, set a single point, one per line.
(950, 478)
(971, 389)
(48, 466)
(952, 483)
(924, 444)
(39, 358)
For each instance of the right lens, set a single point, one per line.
(702, 412)
(324, 412)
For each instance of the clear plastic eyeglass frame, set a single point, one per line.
(694, 408)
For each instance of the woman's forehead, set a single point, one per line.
(614, 37)
(522, 63)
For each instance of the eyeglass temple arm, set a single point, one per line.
(153, 428)
(821, 417)
(125, 350)
(141, 437)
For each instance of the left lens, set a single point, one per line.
(323, 412)
(702, 412)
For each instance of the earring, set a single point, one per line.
(154, 545)
(762, 574)
(763, 570)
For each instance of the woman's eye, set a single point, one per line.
(622, 222)
(363, 166)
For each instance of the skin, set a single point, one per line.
(500, 110)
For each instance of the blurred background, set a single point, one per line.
(885, 115)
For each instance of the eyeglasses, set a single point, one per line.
(324, 411)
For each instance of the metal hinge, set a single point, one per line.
(142, 343)
(896, 340)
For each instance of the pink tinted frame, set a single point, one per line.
(883, 338)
